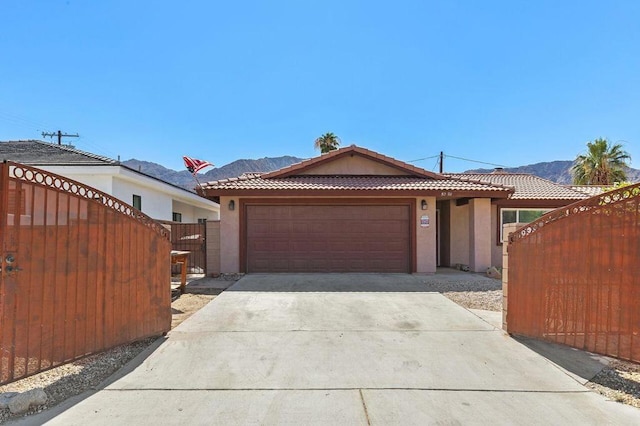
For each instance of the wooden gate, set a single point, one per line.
(191, 237)
(574, 275)
(81, 272)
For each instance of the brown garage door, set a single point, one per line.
(328, 238)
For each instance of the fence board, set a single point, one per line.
(574, 275)
(77, 283)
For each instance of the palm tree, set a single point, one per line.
(327, 142)
(604, 164)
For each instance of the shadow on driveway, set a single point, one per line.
(331, 282)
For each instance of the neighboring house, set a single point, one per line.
(591, 190)
(154, 197)
(354, 210)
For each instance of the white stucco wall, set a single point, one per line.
(158, 197)
(156, 204)
(96, 177)
(191, 214)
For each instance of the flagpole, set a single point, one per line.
(198, 185)
(193, 165)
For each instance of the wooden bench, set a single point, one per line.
(181, 257)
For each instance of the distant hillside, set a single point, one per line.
(184, 179)
(556, 171)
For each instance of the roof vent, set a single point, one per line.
(498, 170)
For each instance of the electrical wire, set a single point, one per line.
(457, 158)
(476, 161)
(426, 158)
(39, 126)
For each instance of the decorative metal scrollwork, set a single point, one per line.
(599, 204)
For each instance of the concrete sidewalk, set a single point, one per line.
(345, 349)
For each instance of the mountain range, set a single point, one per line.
(556, 171)
(184, 179)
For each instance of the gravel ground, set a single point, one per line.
(620, 381)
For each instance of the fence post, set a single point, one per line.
(507, 229)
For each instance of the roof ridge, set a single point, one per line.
(75, 150)
(375, 156)
(480, 181)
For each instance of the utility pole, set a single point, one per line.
(441, 162)
(60, 135)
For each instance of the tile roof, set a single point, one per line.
(590, 190)
(33, 152)
(351, 183)
(527, 187)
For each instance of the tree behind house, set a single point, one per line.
(604, 164)
(327, 142)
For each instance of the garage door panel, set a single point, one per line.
(274, 246)
(328, 238)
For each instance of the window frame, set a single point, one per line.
(544, 211)
(137, 198)
(177, 215)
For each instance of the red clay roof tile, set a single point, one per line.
(527, 187)
(349, 183)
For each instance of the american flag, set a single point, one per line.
(194, 166)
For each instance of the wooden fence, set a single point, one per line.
(82, 272)
(574, 275)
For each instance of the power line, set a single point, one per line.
(421, 159)
(442, 156)
(476, 161)
(38, 126)
(60, 135)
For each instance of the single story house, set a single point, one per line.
(154, 197)
(355, 210)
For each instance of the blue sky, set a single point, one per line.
(505, 82)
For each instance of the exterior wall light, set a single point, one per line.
(232, 205)
(423, 204)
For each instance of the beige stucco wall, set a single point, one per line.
(229, 236)
(213, 247)
(472, 234)
(480, 233)
(355, 165)
(496, 249)
(426, 237)
(459, 233)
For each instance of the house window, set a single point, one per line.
(177, 217)
(200, 220)
(519, 216)
(137, 202)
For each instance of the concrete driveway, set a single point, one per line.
(348, 349)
